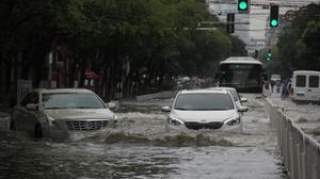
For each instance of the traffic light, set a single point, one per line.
(269, 55)
(230, 22)
(243, 6)
(274, 16)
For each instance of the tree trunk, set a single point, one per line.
(2, 77)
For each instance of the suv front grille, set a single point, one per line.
(197, 125)
(86, 125)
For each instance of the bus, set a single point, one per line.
(242, 73)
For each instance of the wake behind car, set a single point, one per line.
(205, 109)
(59, 113)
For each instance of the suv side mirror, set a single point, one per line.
(166, 109)
(32, 107)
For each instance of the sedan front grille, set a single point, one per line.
(197, 125)
(86, 125)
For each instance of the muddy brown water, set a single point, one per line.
(141, 147)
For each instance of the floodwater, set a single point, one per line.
(142, 147)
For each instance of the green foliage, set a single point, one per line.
(158, 38)
(299, 42)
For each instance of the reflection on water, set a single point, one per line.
(141, 147)
(50, 160)
(88, 160)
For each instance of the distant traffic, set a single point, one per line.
(242, 73)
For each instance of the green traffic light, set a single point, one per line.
(243, 5)
(269, 56)
(274, 23)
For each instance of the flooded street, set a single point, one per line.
(141, 146)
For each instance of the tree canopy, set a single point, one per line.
(158, 39)
(299, 42)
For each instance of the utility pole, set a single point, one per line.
(50, 61)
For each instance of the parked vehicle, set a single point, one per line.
(59, 113)
(305, 85)
(204, 109)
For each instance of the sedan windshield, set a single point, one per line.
(71, 100)
(204, 101)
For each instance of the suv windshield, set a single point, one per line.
(71, 100)
(204, 101)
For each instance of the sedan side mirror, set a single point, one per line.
(243, 100)
(243, 109)
(166, 109)
(32, 107)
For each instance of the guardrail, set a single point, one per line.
(300, 152)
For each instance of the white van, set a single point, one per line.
(305, 85)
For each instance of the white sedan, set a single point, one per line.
(59, 112)
(234, 93)
(205, 109)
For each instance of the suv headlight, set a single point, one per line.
(233, 121)
(175, 121)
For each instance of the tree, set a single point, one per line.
(299, 42)
(135, 43)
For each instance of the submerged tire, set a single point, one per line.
(38, 131)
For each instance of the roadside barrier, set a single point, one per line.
(300, 152)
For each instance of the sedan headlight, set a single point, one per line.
(233, 121)
(175, 121)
